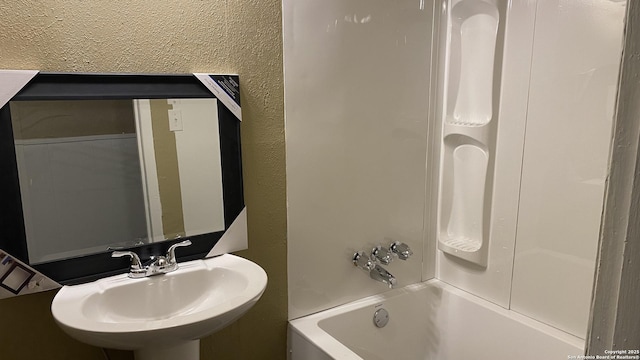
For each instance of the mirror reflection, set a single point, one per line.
(120, 173)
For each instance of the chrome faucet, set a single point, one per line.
(157, 265)
(376, 272)
(381, 274)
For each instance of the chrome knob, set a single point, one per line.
(382, 255)
(401, 249)
(361, 260)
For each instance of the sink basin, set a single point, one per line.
(160, 312)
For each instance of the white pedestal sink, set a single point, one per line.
(164, 316)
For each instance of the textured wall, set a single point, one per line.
(224, 36)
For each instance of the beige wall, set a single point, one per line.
(166, 155)
(223, 36)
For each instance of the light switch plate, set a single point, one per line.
(175, 120)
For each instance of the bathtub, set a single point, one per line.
(427, 321)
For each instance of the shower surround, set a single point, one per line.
(508, 104)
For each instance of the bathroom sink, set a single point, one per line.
(162, 311)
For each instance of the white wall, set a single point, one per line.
(357, 78)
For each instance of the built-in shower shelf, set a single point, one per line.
(468, 129)
(471, 250)
(463, 123)
(474, 134)
(463, 244)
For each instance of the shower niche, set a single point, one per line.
(472, 48)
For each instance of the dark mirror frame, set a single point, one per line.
(60, 86)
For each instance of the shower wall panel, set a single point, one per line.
(357, 81)
(577, 50)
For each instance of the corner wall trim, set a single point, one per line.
(614, 320)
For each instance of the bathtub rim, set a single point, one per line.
(309, 329)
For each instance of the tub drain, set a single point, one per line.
(381, 318)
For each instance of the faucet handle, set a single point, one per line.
(136, 264)
(361, 260)
(401, 249)
(171, 253)
(381, 254)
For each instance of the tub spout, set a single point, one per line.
(379, 273)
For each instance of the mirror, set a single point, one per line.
(133, 168)
(116, 173)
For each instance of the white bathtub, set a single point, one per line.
(427, 321)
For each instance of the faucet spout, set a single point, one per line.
(381, 274)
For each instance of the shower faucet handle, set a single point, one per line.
(361, 260)
(401, 249)
(382, 255)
